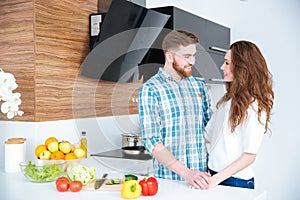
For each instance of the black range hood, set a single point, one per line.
(127, 33)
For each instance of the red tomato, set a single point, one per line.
(62, 184)
(62, 179)
(75, 186)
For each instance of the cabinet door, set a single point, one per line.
(214, 40)
(219, 37)
(217, 45)
(183, 20)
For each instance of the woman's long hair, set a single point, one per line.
(252, 82)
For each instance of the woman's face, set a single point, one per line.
(227, 67)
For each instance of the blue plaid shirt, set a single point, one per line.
(175, 114)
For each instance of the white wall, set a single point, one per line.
(274, 26)
(103, 133)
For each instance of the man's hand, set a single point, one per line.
(197, 179)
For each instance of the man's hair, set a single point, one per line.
(176, 38)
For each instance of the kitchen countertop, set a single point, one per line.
(14, 186)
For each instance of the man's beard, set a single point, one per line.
(183, 71)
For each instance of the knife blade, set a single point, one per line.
(99, 182)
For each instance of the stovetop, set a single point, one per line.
(118, 153)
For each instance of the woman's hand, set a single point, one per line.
(213, 181)
(241, 163)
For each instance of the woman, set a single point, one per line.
(242, 117)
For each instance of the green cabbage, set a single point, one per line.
(85, 174)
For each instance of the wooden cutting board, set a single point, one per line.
(104, 187)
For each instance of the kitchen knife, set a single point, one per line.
(99, 182)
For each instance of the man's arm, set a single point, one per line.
(196, 179)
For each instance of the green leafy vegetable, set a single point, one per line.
(45, 174)
(81, 173)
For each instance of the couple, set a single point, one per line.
(179, 128)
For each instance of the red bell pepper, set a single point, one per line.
(149, 186)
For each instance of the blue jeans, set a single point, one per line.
(236, 182)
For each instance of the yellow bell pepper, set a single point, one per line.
(131, 189)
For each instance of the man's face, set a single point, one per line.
(185, 70)
(184, 59)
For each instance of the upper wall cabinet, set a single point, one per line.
(43, 43)
(214, 41)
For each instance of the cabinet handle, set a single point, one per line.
(217, 80)
(218, 49)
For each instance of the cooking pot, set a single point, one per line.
(129, 140)
(132, 144)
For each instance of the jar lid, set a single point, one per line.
(14, 142)
(17, 139)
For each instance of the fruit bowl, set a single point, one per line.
(38, 172)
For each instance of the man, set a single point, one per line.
(174, 108)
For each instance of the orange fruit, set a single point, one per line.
(57, 155)
(39, 149)
(49, 140)
(70, 156)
